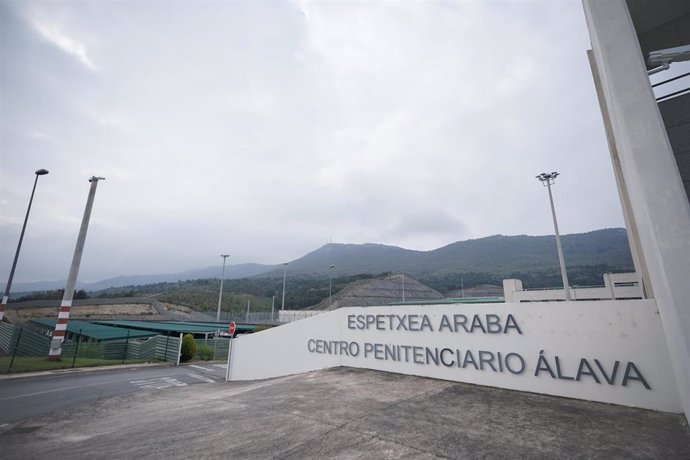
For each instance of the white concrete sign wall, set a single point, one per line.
(608, 351)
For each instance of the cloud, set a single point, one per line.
(53, 34)
(264, 128)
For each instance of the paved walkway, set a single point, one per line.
(347, 413)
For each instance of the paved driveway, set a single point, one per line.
(346, 413)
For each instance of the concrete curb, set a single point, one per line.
(81, 370)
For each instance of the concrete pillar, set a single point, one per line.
(510, 287)
(630, 225)
(655, 191)
(608, 283)
(55, 350)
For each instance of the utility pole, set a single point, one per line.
(66, 304)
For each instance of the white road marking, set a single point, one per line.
(157, 383)
(203, 379)
(201, 367)
(76, 438)
(222, 366)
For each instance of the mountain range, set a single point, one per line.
(231, 272)
(500, 256)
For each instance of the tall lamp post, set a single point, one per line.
(220, 294)
(330, 284)
(6, 296)
(285, 264)
(547, 179)
(403, 286)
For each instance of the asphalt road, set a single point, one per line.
(26, 397)
(342, 413)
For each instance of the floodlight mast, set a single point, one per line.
(403, 286)
(547, 179)
(330, 285)
(282, 305)
(220, 294)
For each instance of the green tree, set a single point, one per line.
(188, 348)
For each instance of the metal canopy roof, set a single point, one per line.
(95, 331)
(177, 327)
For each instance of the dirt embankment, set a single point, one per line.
(101, 310)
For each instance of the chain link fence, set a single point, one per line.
(264, 317)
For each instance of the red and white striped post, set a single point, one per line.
(66, 304)
(60, 329)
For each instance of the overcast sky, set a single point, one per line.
(262, 129)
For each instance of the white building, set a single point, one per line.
(649, 142)
(634, 351)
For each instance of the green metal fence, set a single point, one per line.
(32, 344)
(219, 347)
(22, 342)
(6, 332)
(16, 341)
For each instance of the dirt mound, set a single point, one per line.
(380, 291)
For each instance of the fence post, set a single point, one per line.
(124, 355)
(165, 353)
(76, 349)
(14, 352)
(179, 350)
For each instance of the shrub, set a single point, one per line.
(188, 348)
(90, 350)
(204, 352)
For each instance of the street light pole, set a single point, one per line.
(66, 304)
(6, 295)
(547, 180)
(330, 284)
(220, 294)
(285, 264)
(403, 286)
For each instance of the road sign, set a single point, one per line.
(232, 328)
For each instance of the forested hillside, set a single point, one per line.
(202, 294)
(533, 259)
